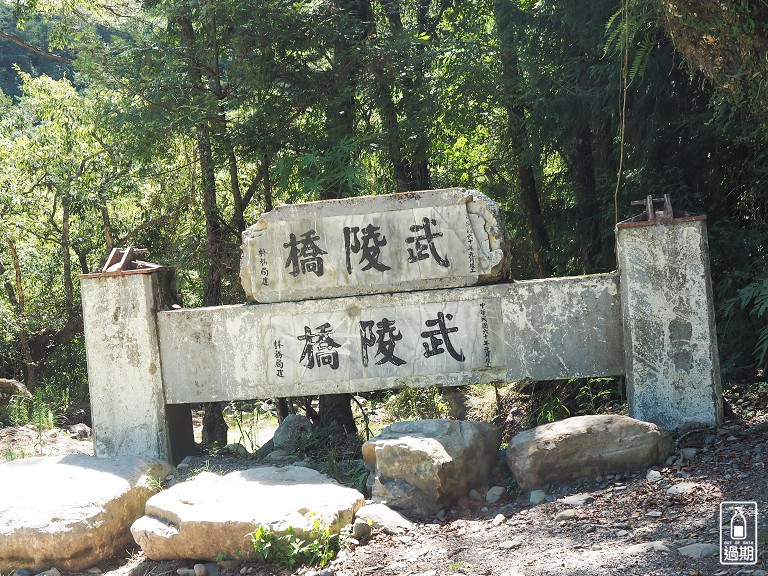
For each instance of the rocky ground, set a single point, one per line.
(607, 529)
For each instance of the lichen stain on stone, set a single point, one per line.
(683, 360)
(132, 352)
(680, 330)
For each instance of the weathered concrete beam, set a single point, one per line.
(374, 244)
(543, 329)
(672, 364)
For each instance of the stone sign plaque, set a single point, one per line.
(541, 329)
(405, 341)
(373, 244)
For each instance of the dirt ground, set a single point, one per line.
(515, 538)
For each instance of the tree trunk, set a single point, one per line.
(9, 290)
(606, 167)
(266, 162)
(28, 361)
(519, 143)
(413, 173)
(335, 411)
(214, 425)
(65, 254)
(107, 225)
(588, 220)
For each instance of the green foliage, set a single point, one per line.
(599, 395)
(12, 453)
(46, 409)
(416, 403)
(558, 399)
(753, 299)
(315, 547)
(37, 32)
(552, 410)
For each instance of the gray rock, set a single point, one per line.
(645, 547)
(494, 494)
(50, 572)
(361, 529)
(681, 488)
(699, 550)
(73, 511)
(213, 515)
(567, 515)
(475, 495)
(426, 465)
(280, 457)
(265, 449)
(537, 497)
(237, 449)
(687, 453)
(79, 431)
(288, 435)
(585, 446)
(510, 544)
(200, 570)
(498, 520)
(384, 518)
(577, 500)
(653, 476)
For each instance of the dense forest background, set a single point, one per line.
(172, 124)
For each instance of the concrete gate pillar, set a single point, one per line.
(128, 409)
(670, 345)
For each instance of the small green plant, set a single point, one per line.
(552, 410)
(46, 409)
(512, 487)
(13, 454)
(597, 395)
(456, 566)
(156, 484)
(287, 549)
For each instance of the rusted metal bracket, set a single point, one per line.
(653, 216)
(124, 261)
(650, 207)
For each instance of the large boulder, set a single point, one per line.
(585, 446)
(288, 435)
(71, 511)
(213, 516)
(425, 465)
